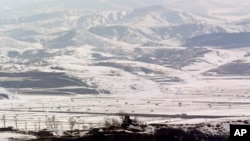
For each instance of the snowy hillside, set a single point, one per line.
(4, 94)
(76, 42)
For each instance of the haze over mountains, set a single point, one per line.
(224, 8)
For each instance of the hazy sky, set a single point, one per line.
(86, 4)
(197, 6)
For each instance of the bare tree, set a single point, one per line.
(26, 126)
(46, 121)
(49, 125)
(52, 123)
(61, 126)
(15, 117)
(122, 114)
(4, 121)
(111, 122)
(72, 122)
(79, 122)
(39, 124)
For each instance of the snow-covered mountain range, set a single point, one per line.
(137, 26)
(153, 45)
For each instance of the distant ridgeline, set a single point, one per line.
(225, 40)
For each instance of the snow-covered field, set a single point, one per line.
(6, 136)
(200, 97)
(227, 98)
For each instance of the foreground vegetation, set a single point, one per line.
(129, 129)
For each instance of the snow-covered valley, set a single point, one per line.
(91, 65)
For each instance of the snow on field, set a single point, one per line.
(6, 136)
(200, 98)
(228, 101)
